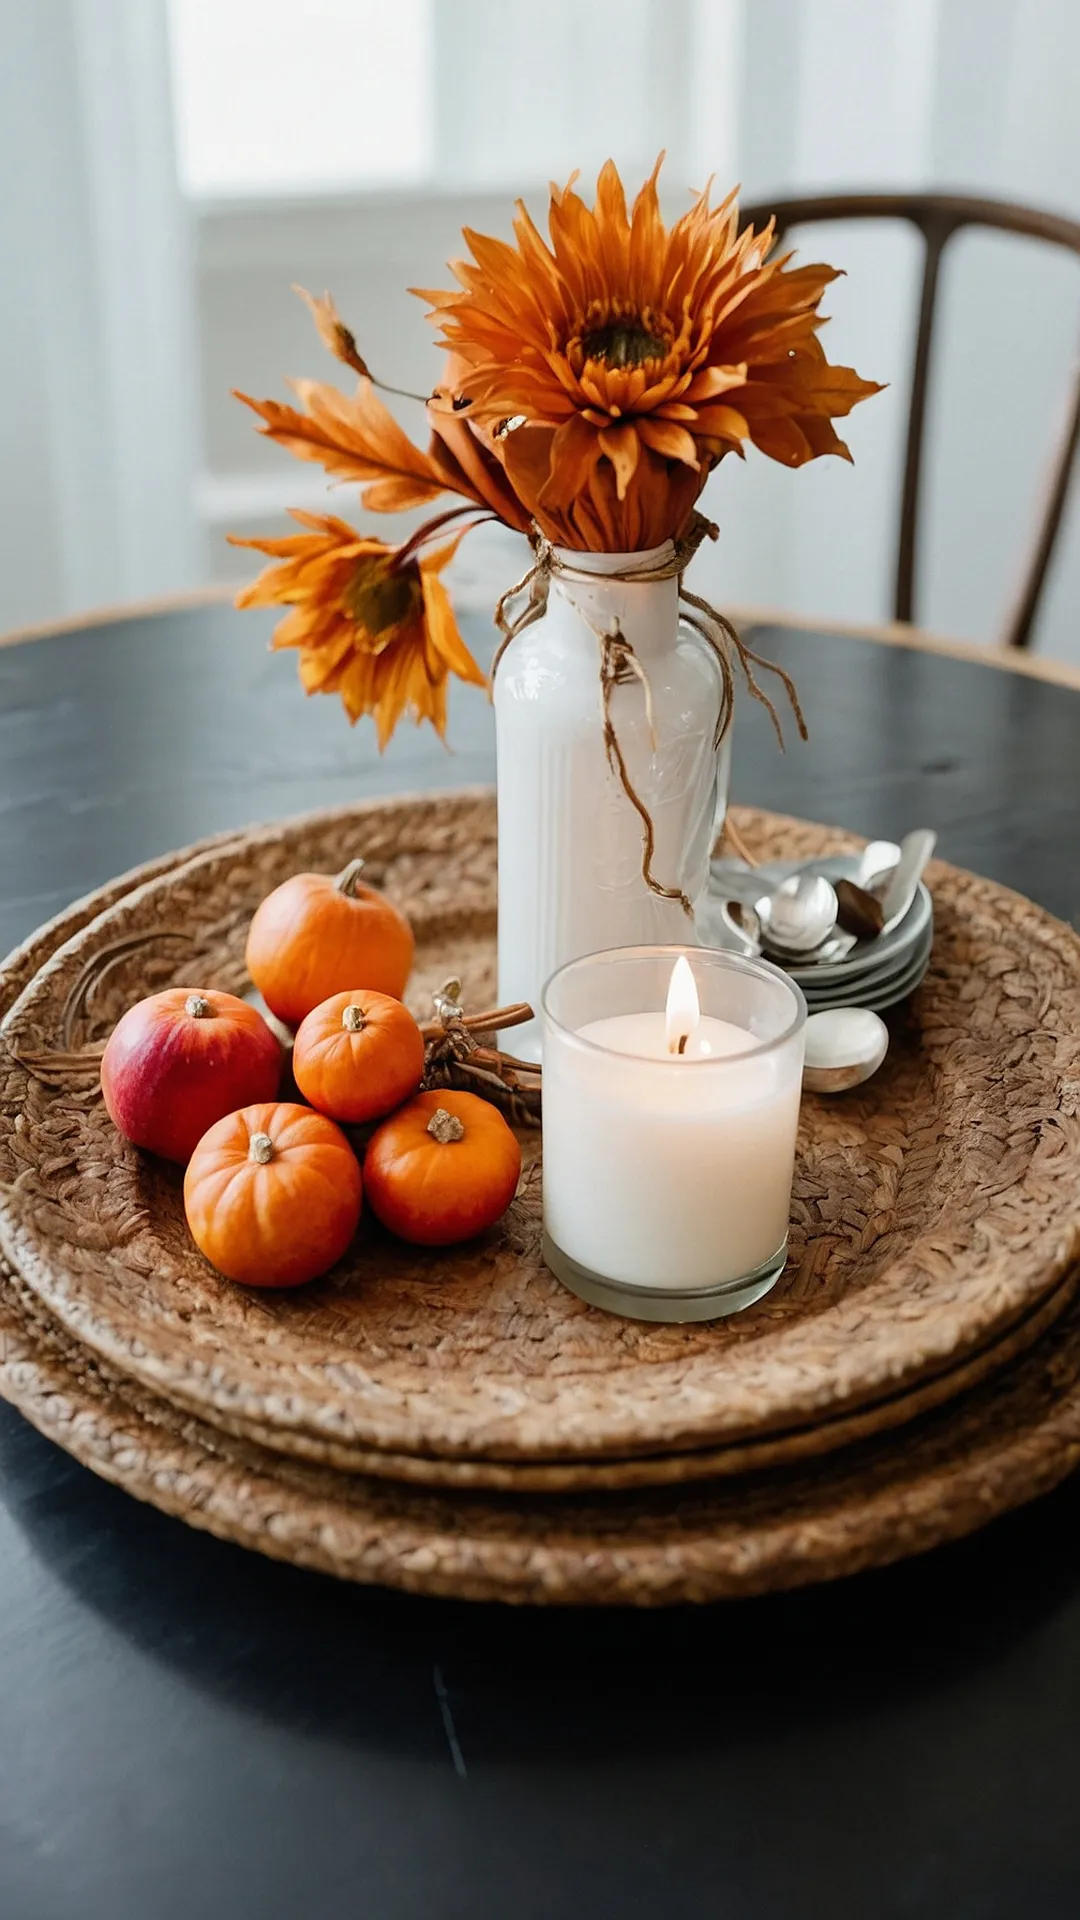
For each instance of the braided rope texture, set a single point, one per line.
(933, 1210)
(1005, 1442)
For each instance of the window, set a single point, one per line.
(285, 96)
(344, 143)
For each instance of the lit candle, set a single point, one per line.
(669, 1130)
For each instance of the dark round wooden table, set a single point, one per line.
(189, 1730)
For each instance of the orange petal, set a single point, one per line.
(443, 630)
(621, 445)
(354, 439)
(527, 459)
(575, 449)
(782, 440)
(713, 380)
(724, 422)
(668, 438)
(473, 468)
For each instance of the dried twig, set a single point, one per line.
(456, 1056)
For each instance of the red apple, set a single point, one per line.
(180, 1061)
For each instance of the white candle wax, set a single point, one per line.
(667, 1171)
(645, 1036)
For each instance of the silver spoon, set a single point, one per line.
(750, 934)
(903, 883)
(876, 863)
(789, 918)
(892, 873)
(797, 924)
(798, 915)
(844, 1046)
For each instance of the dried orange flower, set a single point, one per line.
(355, 437)
(372, 623)
(591, 385)
(638, 356)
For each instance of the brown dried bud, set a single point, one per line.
(333, 332)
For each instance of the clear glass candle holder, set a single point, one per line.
(667, 1173)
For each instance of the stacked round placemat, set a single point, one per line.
(456, 1422)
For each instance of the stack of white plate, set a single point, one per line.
(876, 973)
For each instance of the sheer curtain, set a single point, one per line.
(132, 302)
(96, 313)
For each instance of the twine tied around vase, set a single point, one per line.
(619, 664)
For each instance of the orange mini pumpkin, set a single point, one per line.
(179, 1060)
(358, 1056)
(273, 1195)
(314, 935)
(442, 1169)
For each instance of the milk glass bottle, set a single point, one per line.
(571, 877)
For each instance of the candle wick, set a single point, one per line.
(683, 1038)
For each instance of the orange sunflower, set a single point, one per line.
(372, 623)
(623, 360)
(590, 387)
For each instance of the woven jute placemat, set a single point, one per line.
(669, 1469)
(1006, 1443)
(1009, 1442)
(934, 1213)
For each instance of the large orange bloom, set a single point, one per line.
(372, 624)
(591, 385)
(624, 360)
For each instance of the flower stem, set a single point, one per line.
(431, 527)
(403, 393)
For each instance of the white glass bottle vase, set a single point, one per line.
(571, 877)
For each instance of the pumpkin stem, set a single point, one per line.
(260, 1148)
(352, 1019)
(198, 1006)
(346, 881)
(445, 1127)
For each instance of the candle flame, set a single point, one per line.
(683, 1009)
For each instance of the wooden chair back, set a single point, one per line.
(937, 217)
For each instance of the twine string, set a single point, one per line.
(619, 664)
